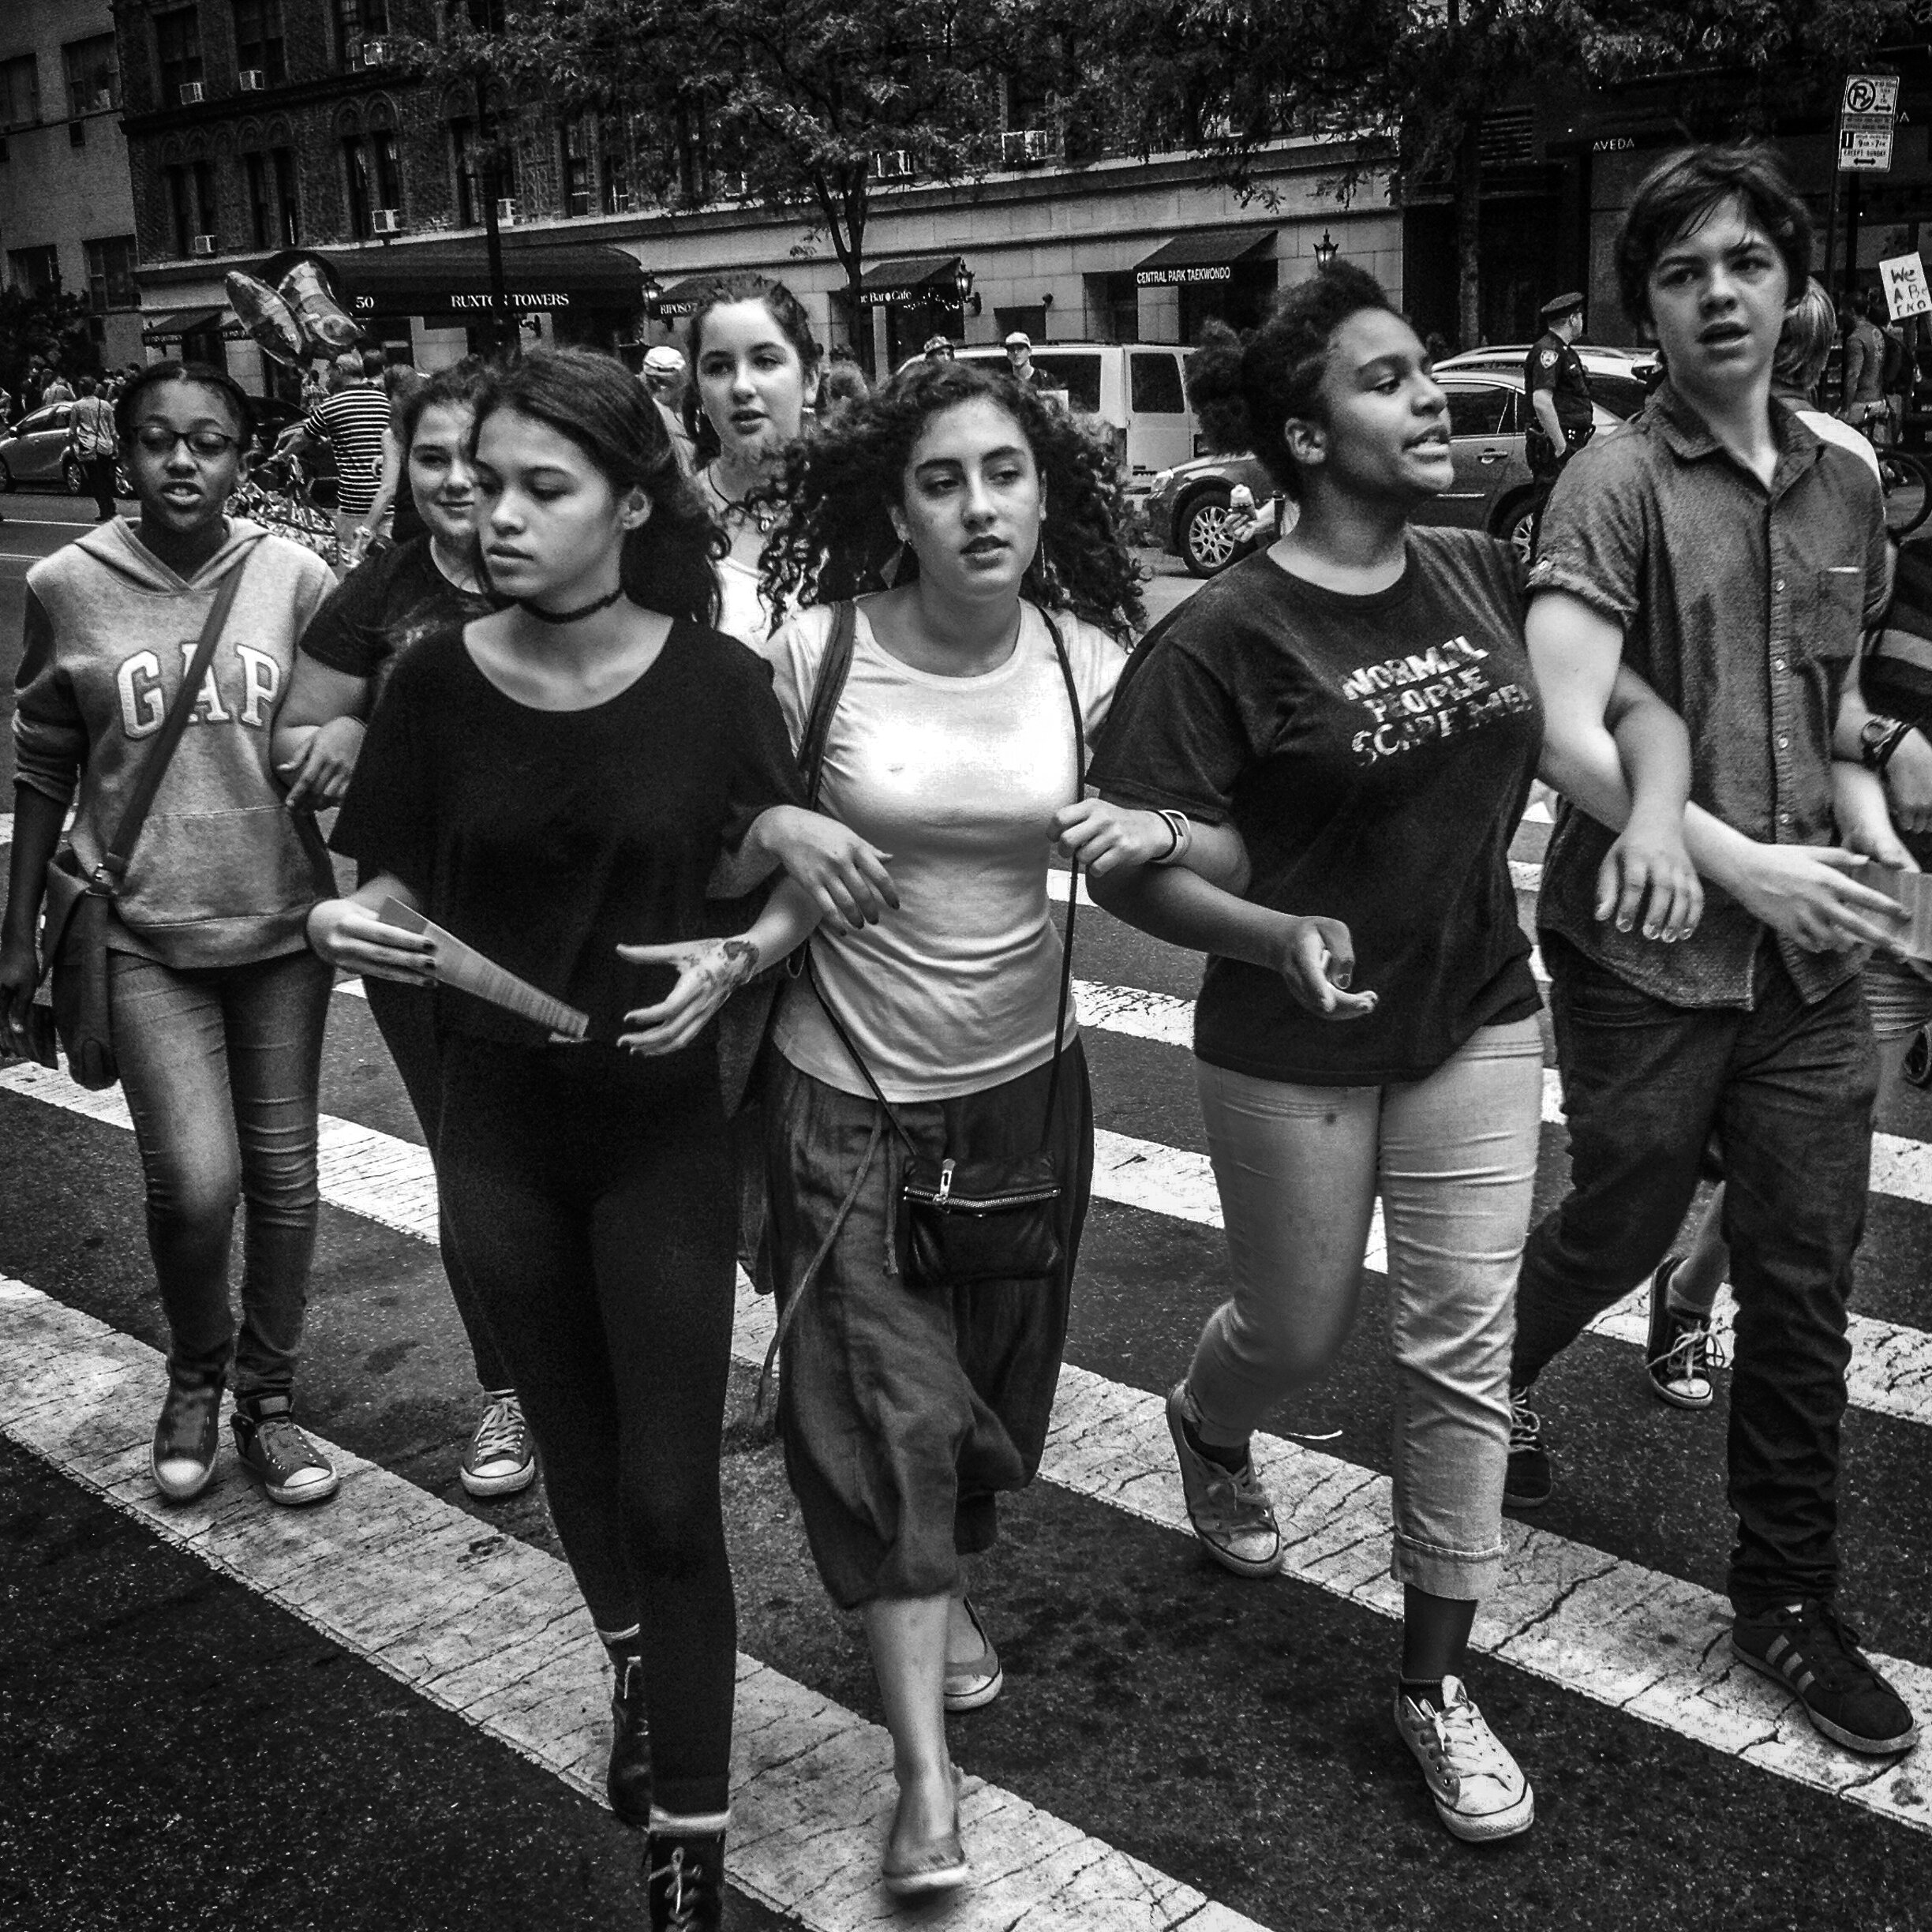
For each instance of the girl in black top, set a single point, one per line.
(551, 783)
(386, 605)
(1356, 703)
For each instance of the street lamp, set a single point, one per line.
(962, 284)
(1326, 249)
(653, 292)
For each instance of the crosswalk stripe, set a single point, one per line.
(493, 1630)
(1626, 1636)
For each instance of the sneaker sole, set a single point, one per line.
(1239, 1566)
(1867, 1747)
(499, 1486)
(1510, 1824)
(1511, 1500)
(170, 1492)
(294, 1499)
(1679, 1402)
(978, 1697)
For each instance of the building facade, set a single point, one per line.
(66, 211)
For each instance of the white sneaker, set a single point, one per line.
(1230, 1510)
(1480, 1791)
(502, 1457)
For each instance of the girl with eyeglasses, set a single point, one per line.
(217, 1003)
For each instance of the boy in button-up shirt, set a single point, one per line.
(1725, 554)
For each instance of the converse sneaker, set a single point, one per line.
(627, 1779)
(1230, 1510)
(1528, 1482)
(187, 1439)
(1807, 1648)
(684, 1875)
(1682, 1352)
(1480, 1791)
(501, 1458)
(278, 1455)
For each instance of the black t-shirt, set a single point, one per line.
(1375, 753)
(1552, 364)
(384, 607)
(545, 839)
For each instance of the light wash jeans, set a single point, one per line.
(1454, 1157)
(220, 1067)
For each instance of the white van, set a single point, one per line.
(1135, 388)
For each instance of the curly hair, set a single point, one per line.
(784, 308)
(1243, 389)
(835, 538)
(668, 562)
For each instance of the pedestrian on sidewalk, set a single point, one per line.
(349, 420)
(1354, 703)
(217, 1004)
(1754, 1029)
(379, 613)
(927, 1026)
(91, 439)
(550, 784)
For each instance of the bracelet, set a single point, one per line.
(1183, 838)
(1892, 739)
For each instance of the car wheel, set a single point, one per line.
(1206, 545)
(1518, 531)
(73, 478)
(1919, 1060)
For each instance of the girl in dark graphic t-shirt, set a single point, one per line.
(551, 783)
(1356, 704)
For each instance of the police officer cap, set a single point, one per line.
(1558, 306)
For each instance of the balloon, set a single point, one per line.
(267, 317)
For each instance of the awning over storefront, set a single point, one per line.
(683, 298)
(176, 323)
(429, 278)
(1209, 255)
(907, 280)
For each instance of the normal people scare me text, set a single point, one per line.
(1428, 695)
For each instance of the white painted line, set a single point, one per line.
(1057, 884)
(6, 828)
(492, 1630)
(1525, 877)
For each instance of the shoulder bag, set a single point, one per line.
(959, 1222)
(77, 916)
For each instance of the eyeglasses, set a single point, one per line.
(157, 440)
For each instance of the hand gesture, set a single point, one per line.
(1317, 960)
(709, 972)
(349, 935)
(1101, 835)
(1652, 859)
(318, 775)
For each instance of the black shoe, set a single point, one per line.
(1529, 1482)
(685, 1878)
(1816, 1658)
(187, 1439)
(627, 1783)
(1681, 1353)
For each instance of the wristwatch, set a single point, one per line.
(1878, 738)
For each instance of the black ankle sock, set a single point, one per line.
(1426, 1692)
(1233, 1460)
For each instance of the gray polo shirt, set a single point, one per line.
(1744, 608)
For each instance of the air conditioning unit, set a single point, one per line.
(375, 53)
(891, 164)
(507, 211)
(386, 222)
(101, 102)
(191, 93)
(250, 80)
(206, 244)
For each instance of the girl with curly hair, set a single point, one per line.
(547, 783)
(906, 1409)
(756, 366)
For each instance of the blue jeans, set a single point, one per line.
(220, 1066)
(1454, 1157)
(1788, 1090)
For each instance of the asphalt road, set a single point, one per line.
(230, 1716)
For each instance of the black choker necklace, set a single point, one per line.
(570, 616)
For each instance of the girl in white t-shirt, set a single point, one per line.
(906, 1409)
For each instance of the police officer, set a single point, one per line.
(1558, 389)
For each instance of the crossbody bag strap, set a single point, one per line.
(852, 1053)
(834, 669)
(154, 767)
(1072, 904)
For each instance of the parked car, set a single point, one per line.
(34, 453)
(1190, 507)
(1621, 379)
(1137, 389)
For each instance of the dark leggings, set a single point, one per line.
(405, 1017)
(593, 1198)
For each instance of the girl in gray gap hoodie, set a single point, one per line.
(217, 1005)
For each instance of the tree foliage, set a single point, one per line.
(50, 325)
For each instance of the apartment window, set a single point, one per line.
(469, 186)
(191, 204)
(20, 91)
(617, 166)
(178, 48)
(258, 39)
(357, 21)
(576, 160)
(375, 178)
(93, 75)
(274, 221)
(110, 273)
(34, 270)
(181, 212)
